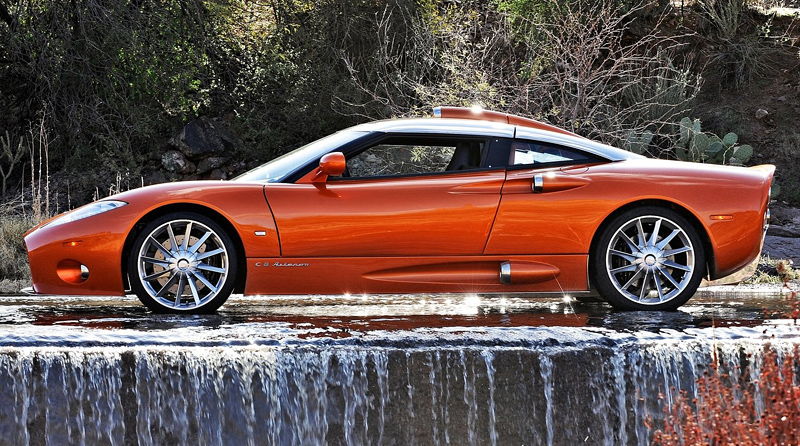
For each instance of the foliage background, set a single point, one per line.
(105, 83)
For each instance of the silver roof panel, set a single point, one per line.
(439, 125)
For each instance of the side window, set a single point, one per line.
(541, 153)
(414, 157)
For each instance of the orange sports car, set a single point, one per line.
(467, 201)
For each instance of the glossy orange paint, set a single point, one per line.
(357, 275)
(103, 236)
(444, 232)
(331, 164)
(443, 214)
(479, 114)
(578, 212)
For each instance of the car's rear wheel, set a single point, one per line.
(648, 258)
(183, 263)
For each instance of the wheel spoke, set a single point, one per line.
(629, 257)
(640, 234)
(629, 242)
(156, 275)
(208, 254)
(153, 261)
(643, 291)
(172, 242)
(669, 277)
(193, 288)
(205, 281)
(671, 264)
(200, 242)
(654, 235)
(166, 286)
(213, 269)
(657, 281)
(179, 293)
(632, 279)
(665, 241)
(187, 236)
(624, 269)
(160, 247)
(677, 251)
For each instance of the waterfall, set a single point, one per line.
(589, 387)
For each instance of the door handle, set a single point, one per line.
(553, 182)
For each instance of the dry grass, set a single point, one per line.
(14, 270)
(774, 271)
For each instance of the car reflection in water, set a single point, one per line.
(342, 316)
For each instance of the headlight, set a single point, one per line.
(98, 207)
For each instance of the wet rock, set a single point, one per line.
(175, 161)
(203, 137)
(211, 163)
(761, 114)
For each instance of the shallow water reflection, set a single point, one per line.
(263, 319)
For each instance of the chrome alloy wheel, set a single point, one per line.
(183, 264)
(650, 260)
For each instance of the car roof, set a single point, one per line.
(476, 127)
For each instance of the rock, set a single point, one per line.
(761, 113)
(175, 161)
(202, 137)
(237, 166)
(784, 231)
(783, 215)
(781, 247)
(155, 177)
(783, 98)
(211, 163)
(217, 174)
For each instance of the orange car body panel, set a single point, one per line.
(103, 236)
(579, 210)
(357, 275)
(445, 232)
(427, 215)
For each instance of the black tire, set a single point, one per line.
(170, 276)
(660, 274)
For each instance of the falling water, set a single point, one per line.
(597, 391)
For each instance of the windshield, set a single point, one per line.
(284, 165)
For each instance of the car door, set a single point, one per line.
(548, 205)
(400, 196)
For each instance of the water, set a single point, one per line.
(394, 370)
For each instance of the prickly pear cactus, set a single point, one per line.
(638, 143)
(698, 146)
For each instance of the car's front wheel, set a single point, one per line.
(183, 263)
(648, 258)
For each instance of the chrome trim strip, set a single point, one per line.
(437, 112)
(538, 183)
(505, 273)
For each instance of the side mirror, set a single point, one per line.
(332, 164)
